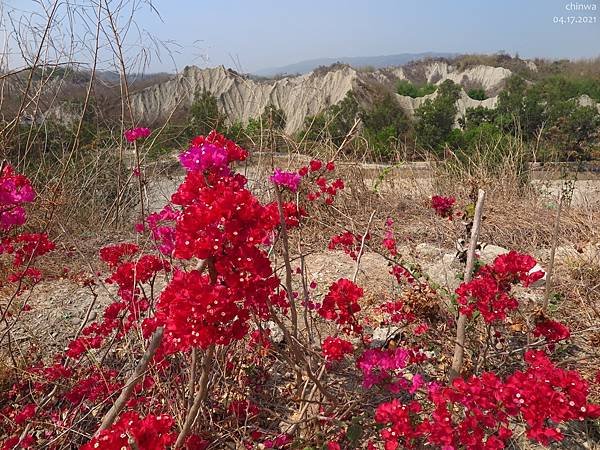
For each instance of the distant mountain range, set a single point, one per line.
(355, 61)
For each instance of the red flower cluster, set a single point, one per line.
(388, 241)
(113, 255)
(488, 292)
(314, 166)
(443, 206)
(543, 395)
(334, 349)
(402, 274)
(341, 303)
(324, 188)
(198, 313)
(148, 433)
(28, 246)
(243, 409)
(552, 330)
(223, 223)
(348, 242)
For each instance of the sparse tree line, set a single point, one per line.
(546, 116)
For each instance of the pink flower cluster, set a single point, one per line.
(23, 248)
(136, 133)
(290, 180)
(15, 191)
(212, 153)
(162, 228)
(385, 368)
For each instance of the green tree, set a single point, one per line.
(575, 130)
(477, 116)
(383, 124)
(435, 118)
(520, 108)
(205, 115)
(335, 122)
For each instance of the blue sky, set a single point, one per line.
(254, 34)
(264, 33)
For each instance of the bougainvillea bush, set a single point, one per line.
(218, 339)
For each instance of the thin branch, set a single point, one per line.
(550, 270)
(134, 379)
(459, 347)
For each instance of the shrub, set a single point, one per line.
(405, 87)
(158, 358)
(477, 94)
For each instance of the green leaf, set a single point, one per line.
(354, 431)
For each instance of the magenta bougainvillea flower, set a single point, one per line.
(136, 133)
(290, 180)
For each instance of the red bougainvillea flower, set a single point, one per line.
(150, 433)
(113, 255)
(27, 246)
(290, 180)
(334, 349)
(552, 330)
(341, 303)
(25, 414)
(348, 242)
(443, 205)
(542, 395)
(315, 165)
(197, 313)
(489, 291)
(279, 441)
(243, 409)
(136, 133)
(388, 240)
